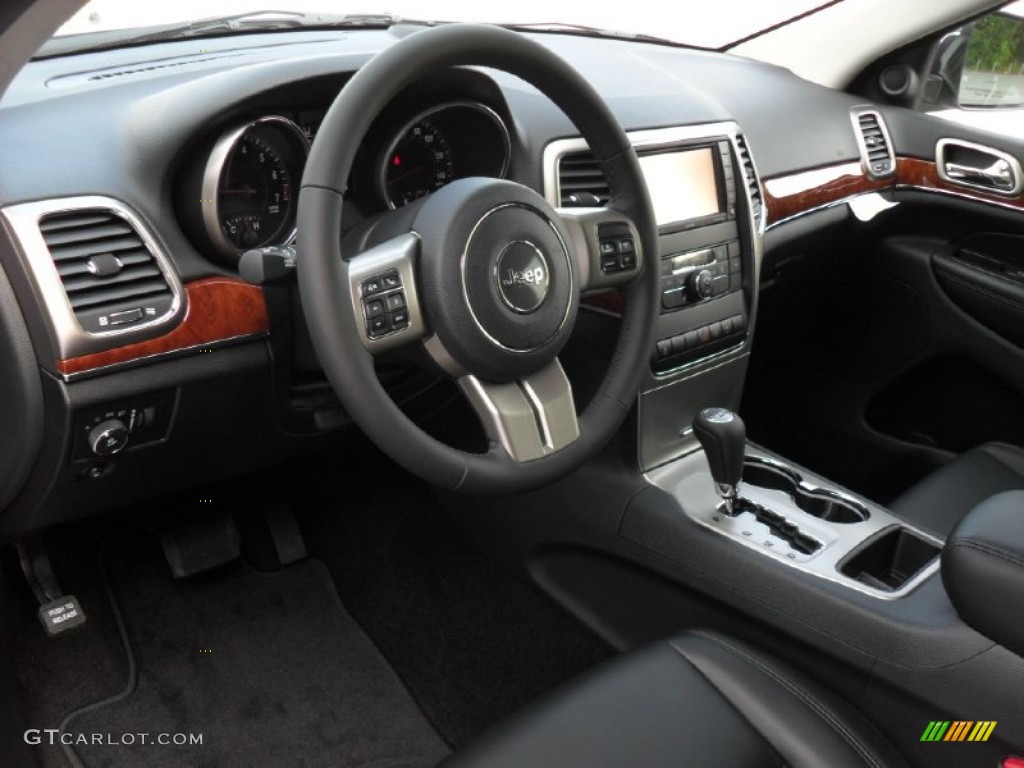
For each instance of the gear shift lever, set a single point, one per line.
(724, 439)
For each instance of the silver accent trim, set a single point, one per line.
(855, 115)
(465, 289)
(959, 175)
(583, 225)
(215, 165)
(69, 338)
(401, 254)
(531, 418)
(382, 170)
(689, 481)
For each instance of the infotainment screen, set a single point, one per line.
(682, 185)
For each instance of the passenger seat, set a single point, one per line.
(937, 503)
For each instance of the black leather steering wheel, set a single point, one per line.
(484, 273)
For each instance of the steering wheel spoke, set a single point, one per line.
(385, 297)
(607, 246)
(530, 418)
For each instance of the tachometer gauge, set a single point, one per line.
(250, 185)
(417, 163)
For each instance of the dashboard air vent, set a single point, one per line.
(875, 146)
(750, 178)
(580, 175)
(108, 271)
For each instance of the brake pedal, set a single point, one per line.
(57, 612)
(201, 544)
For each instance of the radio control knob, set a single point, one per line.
(702, 283)
(108, 437)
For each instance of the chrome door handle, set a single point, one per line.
(999, 175)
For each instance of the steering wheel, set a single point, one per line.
(483, 272)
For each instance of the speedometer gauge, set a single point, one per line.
(418, 163)
(250, 185)
(449, 141)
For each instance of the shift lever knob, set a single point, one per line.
(724, 439)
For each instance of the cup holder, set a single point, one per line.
(818, 502)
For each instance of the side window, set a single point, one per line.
(976, 75)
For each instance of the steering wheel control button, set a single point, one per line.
(523, 276)
(399, 320)
(384, 304)
(372, 286)
(378, 326)
(108, 437)
(618, 251)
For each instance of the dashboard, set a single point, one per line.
(134, 179)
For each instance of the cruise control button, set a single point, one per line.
(395, 301)
(626, 245)
(628, 260)
(378, 326)
(608, 248)
(374, 308)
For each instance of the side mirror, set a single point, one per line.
(992, 71)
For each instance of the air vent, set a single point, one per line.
(750, 178)
(580, 175)
(875, 146)
(111, 73)
(110, 275)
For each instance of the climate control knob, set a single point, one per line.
(702, 283)
(108, 437)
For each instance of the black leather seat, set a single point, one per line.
(937, 503)
(696, 700)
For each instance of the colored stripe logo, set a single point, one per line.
(958, 730)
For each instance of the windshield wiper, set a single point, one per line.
(258, 21)
(583, 29)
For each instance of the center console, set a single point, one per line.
(708, 207)
(794, 516)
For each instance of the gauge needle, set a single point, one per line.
(410, 172)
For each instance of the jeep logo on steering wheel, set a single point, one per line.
(522, 276)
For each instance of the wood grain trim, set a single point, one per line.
(788, 196)
(218, 309)
(924, 174)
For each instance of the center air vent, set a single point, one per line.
(875, 146)
(580, 180)
(750, 178)
(109, 273)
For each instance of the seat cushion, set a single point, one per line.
(694, 701)
(937, 503)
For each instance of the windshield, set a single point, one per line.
(706, 25)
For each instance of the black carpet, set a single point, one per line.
(472, 641)
(269, 668)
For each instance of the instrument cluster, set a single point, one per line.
(241, 191)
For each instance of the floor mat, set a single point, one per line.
(269, 668)
(473, 642)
